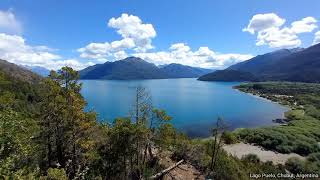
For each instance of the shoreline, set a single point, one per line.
(302, 101)
(263, 98)
(266, 99)
(288, 107)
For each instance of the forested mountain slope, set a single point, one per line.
(297, 65)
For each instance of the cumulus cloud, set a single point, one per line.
(316, 38)
(136, 36)
(120, 55)
(131, 27)
(94, 50)
(307, 24)
(102, 50)
(278, 38)
(203, 57)
(13, 48)
(137, 39)
(270, 31)
(260, 22)
(9, 23)
(177, 53)
(74, 63)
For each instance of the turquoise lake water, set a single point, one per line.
(193, 105)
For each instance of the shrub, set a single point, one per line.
(303, 148)
(229, 138)
(56, 174)
(253, 158)
(295, 165)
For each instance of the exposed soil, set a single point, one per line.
(183, 171)
(241, 149)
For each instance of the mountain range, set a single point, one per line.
(18, 72)
(137, 68)
(38, 70)
(297, 65)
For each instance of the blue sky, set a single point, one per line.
(56, 33)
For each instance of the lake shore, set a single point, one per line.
(260, 96)
(299, 134)
(241, 149)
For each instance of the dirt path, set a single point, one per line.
(182, 172)
(241, 149)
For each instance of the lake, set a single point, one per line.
(193, 105)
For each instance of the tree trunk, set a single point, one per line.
(165, 171)
(217, 153)
(213, 150)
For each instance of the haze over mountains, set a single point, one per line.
(18, 72)
(136, 68)
(38, 70)
(298, 65)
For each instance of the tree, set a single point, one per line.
(142, 106)
(127, 150)
(118, 151)
(217, 142)
(66, 129)
(17, 150)
(52, 125)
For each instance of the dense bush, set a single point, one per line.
(301, 135)
(295, 165)
(56, 174)
(229, 138)
(251, 158)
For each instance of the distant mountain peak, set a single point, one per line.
(38, 70)
(297, 64)
(137, 68)
(175, 64)
(292, 50)
(18, 72)
(297, 49)
(132, 58)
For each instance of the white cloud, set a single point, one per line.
(260, 22)
(13, 48)
(95, 50)
(103, 50)
(278, 38)
(9, 23)
(270, 31)
(136, 36)
(74, 63)
(125, 43)
(131, 27)
(316, 38)
(180, 47)
(203, 57)
(307, 24)
(120, 55)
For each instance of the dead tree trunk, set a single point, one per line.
(165, 171)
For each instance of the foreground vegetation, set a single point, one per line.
(46, 134)
(300, 132)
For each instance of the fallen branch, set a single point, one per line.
(165, 171)
(182, 168)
